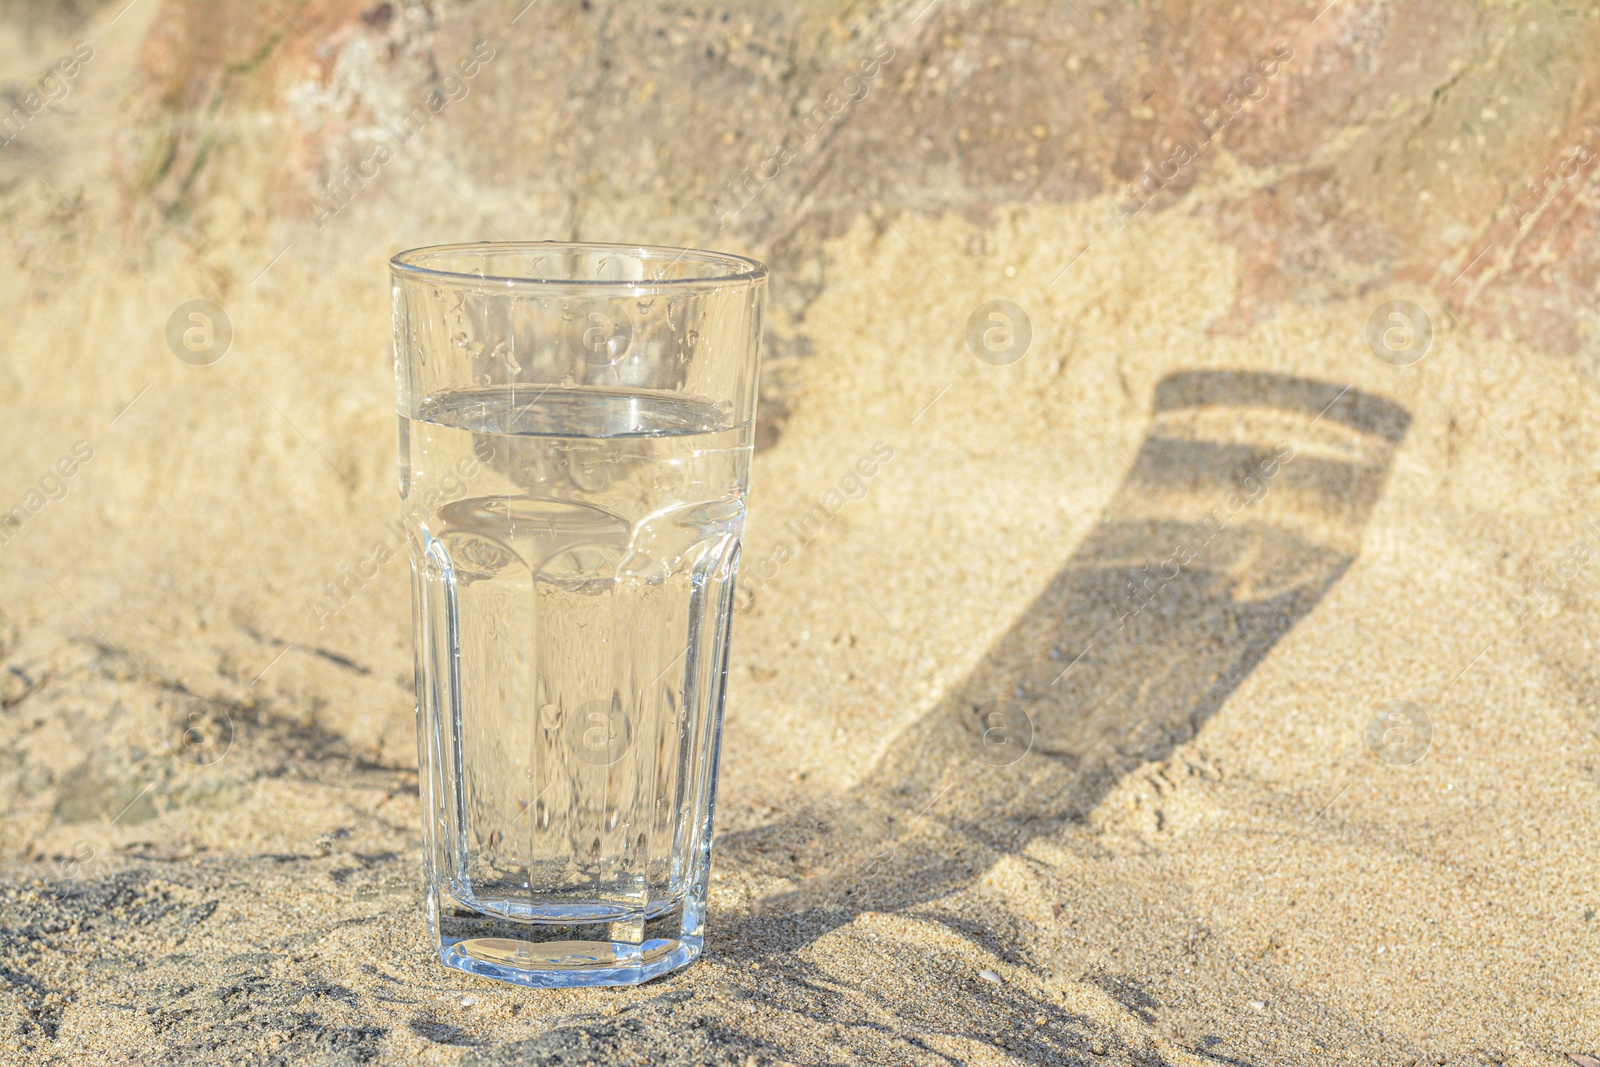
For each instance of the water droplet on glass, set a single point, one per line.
(503, 350)
(459, 340)
(693, 338)
(645, 304)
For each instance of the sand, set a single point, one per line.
(1201, 850)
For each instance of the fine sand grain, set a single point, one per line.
(1058, 741)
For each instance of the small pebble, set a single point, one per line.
(467, 1002)
(989, 976)
(1098, 1049)
(1258, 1005)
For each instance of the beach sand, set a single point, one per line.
(1288, 637)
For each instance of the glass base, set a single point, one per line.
(553, 945)
(567, 964)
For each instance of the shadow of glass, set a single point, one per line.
(1246, 502)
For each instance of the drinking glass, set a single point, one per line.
(575, 426)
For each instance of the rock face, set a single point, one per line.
(1207, 677)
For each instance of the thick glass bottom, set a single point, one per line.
(566, 964)
(569, 944)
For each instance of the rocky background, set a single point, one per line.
(1362, 835)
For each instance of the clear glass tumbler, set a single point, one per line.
(575, 428)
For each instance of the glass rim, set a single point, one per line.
(735, 270)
